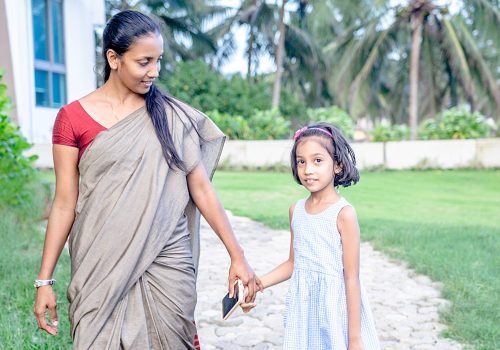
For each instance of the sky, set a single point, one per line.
(238, 62)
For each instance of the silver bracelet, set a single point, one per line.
(41, 283)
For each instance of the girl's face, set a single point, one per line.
(139, 66)
(315, 166)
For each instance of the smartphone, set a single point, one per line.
(231, 304)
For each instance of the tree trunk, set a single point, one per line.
(280, 53)
(250, 54)
(416, 39)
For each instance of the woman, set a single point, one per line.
(132, 167)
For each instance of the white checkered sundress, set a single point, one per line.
(316, 307)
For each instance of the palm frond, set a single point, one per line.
(458, 59)
(475, 56)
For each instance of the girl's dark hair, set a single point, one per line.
(121, 31)
(338, 148)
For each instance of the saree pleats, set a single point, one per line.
(134, 244)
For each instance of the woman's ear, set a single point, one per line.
(113, 58)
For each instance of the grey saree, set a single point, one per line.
(134, 244)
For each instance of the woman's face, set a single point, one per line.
(140, 65)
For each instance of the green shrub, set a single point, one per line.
(455, 123)
(234, 127)
(17, 173)
(206, 89)
(333, 115)
(268, 125)
(383, 133)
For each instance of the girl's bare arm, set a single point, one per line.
(349, 231)
(280, 273)
(283, 271)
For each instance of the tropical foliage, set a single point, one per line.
(402, 61)
(455, 123)
(333, 115)
(207, 89)
(383, 133)
(369, 49)
(16, 170)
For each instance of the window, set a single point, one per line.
(50, 69)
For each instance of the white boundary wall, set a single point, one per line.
(445, 154)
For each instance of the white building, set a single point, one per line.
(47, 53)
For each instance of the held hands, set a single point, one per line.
(247, 306)
(46, 299)
(241, 270)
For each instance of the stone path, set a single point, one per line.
(405, 305)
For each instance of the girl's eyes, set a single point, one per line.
(301, 162)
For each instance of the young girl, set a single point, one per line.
(325, 305)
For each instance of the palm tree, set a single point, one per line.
(279, 57)
(185, 31)
(400, 55)
(301, 60)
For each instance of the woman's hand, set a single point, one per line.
(241, 270)
(46, 299)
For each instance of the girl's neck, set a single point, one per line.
(327, 196)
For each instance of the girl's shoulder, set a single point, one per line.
(297, 207)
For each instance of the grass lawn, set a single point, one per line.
(21, 237)
(446, 224)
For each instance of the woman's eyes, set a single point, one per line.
(318, 160)
(146, 62)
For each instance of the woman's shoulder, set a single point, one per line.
(71, 109)
(183, 110)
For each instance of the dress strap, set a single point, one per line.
(337, 207)
(298, 209)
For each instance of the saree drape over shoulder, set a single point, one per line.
(134, 244)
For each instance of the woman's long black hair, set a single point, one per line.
(121, 31)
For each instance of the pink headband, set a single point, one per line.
(301, 130)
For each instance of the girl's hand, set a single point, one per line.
(246, 307)
(241, 270)
(355, 344)
(46, 299)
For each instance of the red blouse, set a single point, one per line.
(75, 127)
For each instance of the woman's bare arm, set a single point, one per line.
(62, 215)
(204, 196)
